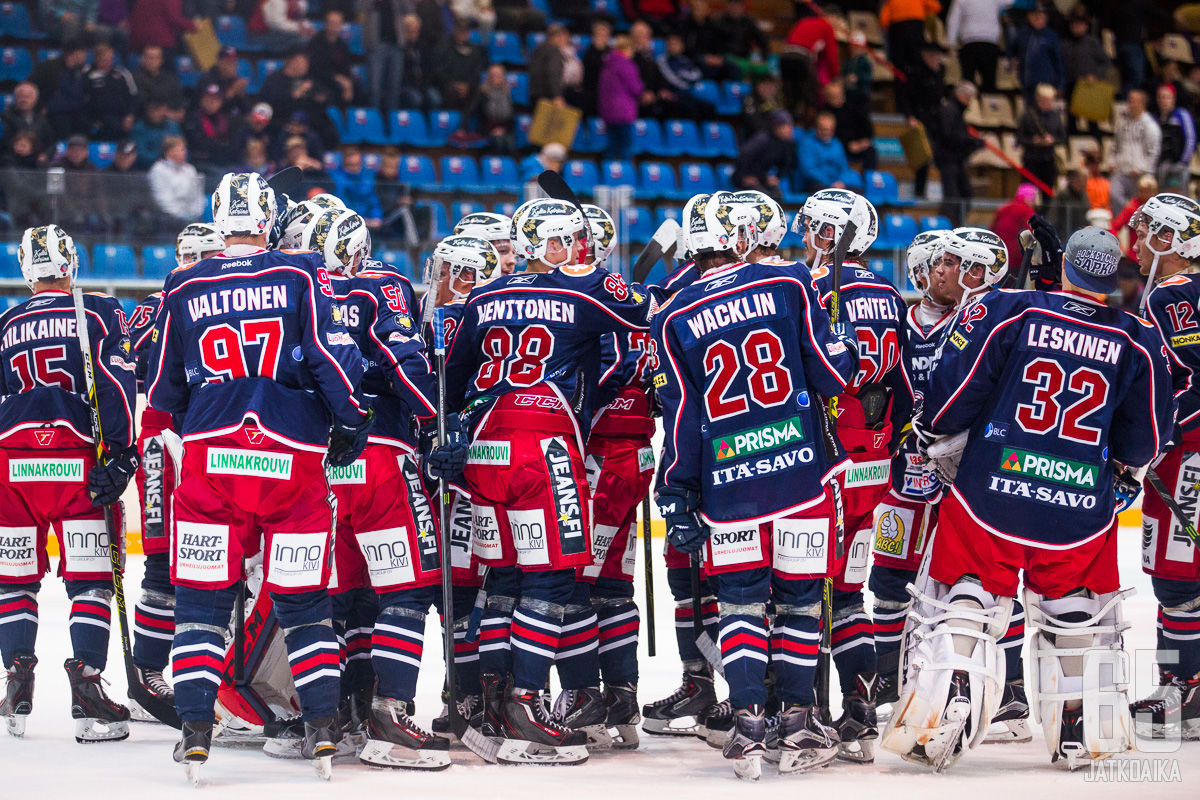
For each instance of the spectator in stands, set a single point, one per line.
(1147, 187)
(1013, 217)
(1083, 58)
(436, 19)
(22, 152)
(254, 126)
(479, 13)
(281, 25)
(657, 100)
(552, 156)
(124, 159)
(682, 74)
(593, 63)
(209, 131)
(859, 73)
(177, 187)
(768, 157)
(903, 22)
(920, 99)
(492, 114)
(126, 203)
(356, 185)
(75, 157)
(79, 206)
(1039, 131)
(418, 89)
(1128, 19)
(158, 23)
(112, 96)
(973, 28)
(621, 88)
(297, 127)
(823, 158)
(1036, 53)
(156, 84)
(854, 128)
(254, 159)
(290, 88)
(572, 74)
(403, 220)
(25, 116)
(705, 42)
(1098, 187)
(1068, 208)
(460, 62)
(659, 13)
(1178, 141)
(225, 75)
(745, 43)
(152, 130)
(296, 154)
(814, 34)
(545, 67)
(760, 105)
(383, 40)
(951, 145)
(62, 84)
(68, 20)
(1136, 145)
(330, 60)
(112, 24)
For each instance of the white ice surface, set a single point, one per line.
(48, 763)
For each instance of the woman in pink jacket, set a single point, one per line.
(620, 88)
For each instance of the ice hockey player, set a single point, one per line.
(1059, 397)
(743, 355)
(52, 482)
(386, 535)
(1168, 250)
(253, 355)
(154, 614)
(494, 229)
(871, 419)
(523, 365)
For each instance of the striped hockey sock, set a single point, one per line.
(1012, 643)
(577, 656)
(89, 622)
(685, 637)
(396, 648)
(794, 640)
(197, 656)
(18, 621)
(153, 630)
(853, 639)
(536, 626)
(316, 668)
(888, 620)
(744, 654)
(466, 658)
(618, 620)
(1181, 631)
(495, 653)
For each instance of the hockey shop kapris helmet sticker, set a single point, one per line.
(194, 241)
(1170, 215)
(469, 262)
(772, 226)
(47, 253)
(921, 255)
(604, 233)
(543, 221)
(243, 205)
(342, 239)
(977, 247)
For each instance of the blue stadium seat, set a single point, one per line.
(462, 208)
(246, 69)
(113, 260)
(339, 124)
(718, 140)
(506, 208)
(400, 260)
(638, 226)
(48, 53)
(664, 213)
(681, 137)
(10, 300)
(331, 160)
(524, 123)
(364, 125)
(14, 22)
(371, 161)
(408, 127)
(352, 35)
(533, 40)
(505, 48)
(440, 227)
(15, 64)
(10, 260)
(441, 125)
(497, 172)
(647, 137)
(882, 189)
(6, 101)
(596, 137)
(889, 150)
(935, 223)
(189, 73)
(581, 175)
(732, 95)
(708, 91)
(656, 179)
(101, 153)
(518, 82)
(618, 173)
(581, 41)
(883, 267)
(417, 171)
(157, 260)
(695, 178)
(459, 173)
(897, 230)
(724, 174)
(231, 31)
(582, 142)
(265, 67)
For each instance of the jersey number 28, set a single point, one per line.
(769, 382)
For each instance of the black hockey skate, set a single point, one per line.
(470, 707)
(321, 737)
(1174, 707)
(716, 724)
(858, 728)
(623, 717)
(748, 744)
(353, 712)
(193, 746)
(495, 689)
(945, 746)
(152, 681)
(584, 710)
(1071, 745)
(805, 743)
(533, 736)
(1011, 722)
(395, 741)
(284, 737)
(678, 714)
(887, 684)
(97, 718)
(18, 694)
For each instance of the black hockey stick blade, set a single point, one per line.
(286, 181)
(839, 257)
(1170, 502)
(555, 186)
(704, 643)
(661, 246)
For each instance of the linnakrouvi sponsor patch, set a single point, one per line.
(1048, 468)
(491, 453)
(958, 340)
(1186, 340)
(756, 440)
(351, 474)
(869, 473)
(250, 463)
(645, 459)
(56, 470)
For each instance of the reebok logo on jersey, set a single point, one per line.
(1048, 468)
(494, 453)
(226, 461)
(352, 474)
(869, 473)
(756, 440)
(56, 470)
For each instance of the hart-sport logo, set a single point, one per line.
(757, 440)
(1048, 468)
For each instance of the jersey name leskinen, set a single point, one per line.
(1084, 345)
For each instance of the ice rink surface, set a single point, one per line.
(48, 763)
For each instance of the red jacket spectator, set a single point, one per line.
(158, 23)
(1012, 218)
(815, 34)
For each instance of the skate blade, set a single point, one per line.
(393, 756)
(947, 745)
(748, 768)
(1011, 731)
(884, 712)
(139, 714)
(16, 725)
(519, 751)
(283, 748)
(858, 751)
(625, 737)
(716, 739)
(680, 726)
(598, 737)
(192, 770)
(771, 755)
(1189, 731)
(324, 767)
(90, 729)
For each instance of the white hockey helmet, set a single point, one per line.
(468, 260)
(194, 241)
(293, 229)
(484, 225)
(243, 205)
(866, 221)
(47, 253)
(922, 253)
(543, 220)
(772, 226)
(717, 223)
(977, 247)
(327, 200)
(341, 237)
(826, 213)
(603, 238)
(1174, 213)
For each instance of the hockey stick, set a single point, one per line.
(154, 706)
(239, 631)
(475, 741)
(661, 246)
(553, 184)
(1170, 502)
(704, 643)
(648, 556)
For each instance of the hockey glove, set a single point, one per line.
(444, 460)
(1047, 276)
(686, 532)
(1126, 487)
(108, 479)
(346, 442)
(845, 334)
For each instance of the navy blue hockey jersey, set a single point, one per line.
(909, 476)
(255, 334)
(141, 333)
(1053, 387)
(743, 355)
(42, 378)
(1174, 308)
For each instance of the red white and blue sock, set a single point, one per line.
(619, 620)
(396, 647)
(577, 656)
(18, 620)
(853, 639)
(794, 641)
(744, 654)
(1181, 632)
(153, 630)
(534, 636)
(90, 621)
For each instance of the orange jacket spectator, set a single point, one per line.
(903, 10)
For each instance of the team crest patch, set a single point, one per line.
(45, 437)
